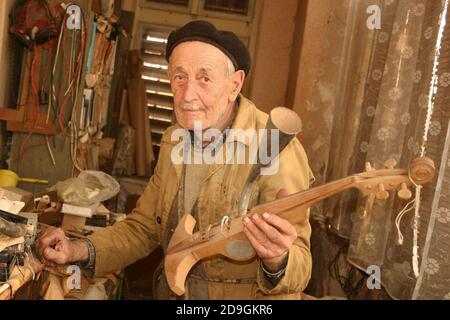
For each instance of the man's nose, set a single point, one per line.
(190, 91)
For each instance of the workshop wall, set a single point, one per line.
(5, 50)
(5, 58)
(35, 162)
(315, 33)
(271, 63)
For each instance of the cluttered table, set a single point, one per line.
(19, 276)
(75, 205)
(56, 285)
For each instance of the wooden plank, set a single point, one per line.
(33, 120)
(10, 114)
(30, 126)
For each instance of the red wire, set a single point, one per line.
(66, 95)
(34, 146)
(61, 89)
(36, 106)
(22, 148)
(24, 142)
(34, 90)
(27, 7)
(72, 83)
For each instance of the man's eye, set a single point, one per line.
(206, 79)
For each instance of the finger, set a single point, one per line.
(42, 245)
(274, 242)
(51, 237)
(269, 232)
(45, 231)
(281, 224)
(264, 250)
(48, 231)
(55, 256)
(261, 251)
(257, 233)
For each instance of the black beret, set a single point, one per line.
(204, 31)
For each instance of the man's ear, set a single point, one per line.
(237, 79)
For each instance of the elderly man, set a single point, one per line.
(207, 69)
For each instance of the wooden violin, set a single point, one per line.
(228, 239)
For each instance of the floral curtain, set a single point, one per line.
(384, 94)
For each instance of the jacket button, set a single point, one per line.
(158, 220)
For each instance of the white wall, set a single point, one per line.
(272, 58)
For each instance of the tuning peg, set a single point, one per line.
(390, 164)
(382, 194)
(404, 193)
(368, 166)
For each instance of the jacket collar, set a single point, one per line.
(245, 119)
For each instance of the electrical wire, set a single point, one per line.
(34, 105)
(73, 90)
(347, 283)
(76, 76)
(73, 122)
(34, 87)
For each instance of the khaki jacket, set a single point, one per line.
(144, 229)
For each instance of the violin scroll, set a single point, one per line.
(422, 170)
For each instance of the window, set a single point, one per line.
(169, 5)
(228, 6)
(175, 2)
(159, 96)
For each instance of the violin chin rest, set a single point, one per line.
(239, 250)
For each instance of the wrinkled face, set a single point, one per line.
(201, 86)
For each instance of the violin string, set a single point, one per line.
(213, 230)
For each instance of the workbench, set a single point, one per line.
(35, 281)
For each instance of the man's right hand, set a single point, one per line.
(55, 248)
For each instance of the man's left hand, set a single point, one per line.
(270, 236)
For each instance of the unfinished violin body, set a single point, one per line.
(227, 238)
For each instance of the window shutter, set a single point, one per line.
(155, 76)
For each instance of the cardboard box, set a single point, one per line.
(71, 222)
(17, 194)
(75, 216)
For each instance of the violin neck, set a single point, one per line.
(304, 199)
(292, 208)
